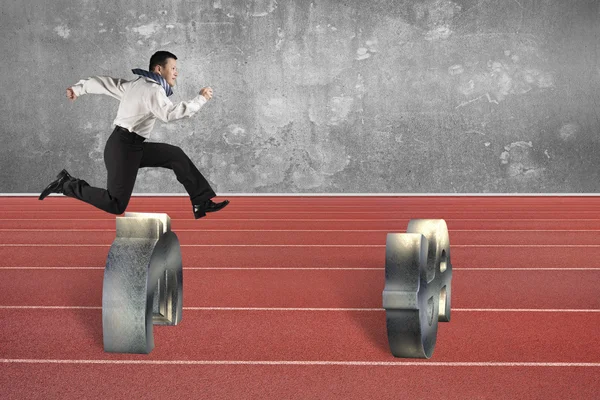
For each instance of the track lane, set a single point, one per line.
(307, 237)
(306, 256)
(208, 224)
(232, 213)
(305, 336)
(77, 381)
(313, 288)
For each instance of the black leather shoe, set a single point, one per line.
(200, 210)
(56, 186)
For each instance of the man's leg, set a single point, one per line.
(172, 157)
(122, 157)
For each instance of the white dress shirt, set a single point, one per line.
(143, 100)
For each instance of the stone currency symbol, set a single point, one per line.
(416, 296)
(143, 283)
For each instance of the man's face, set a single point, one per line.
(169, 71)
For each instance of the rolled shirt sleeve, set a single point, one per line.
(162, 108)
(114, 87)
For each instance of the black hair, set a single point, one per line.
(160, 58)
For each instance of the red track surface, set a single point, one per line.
(282, 299)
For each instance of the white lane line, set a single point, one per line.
(555, 310)
(315, 245)
(525, 269)
(309, 363)
(315, 220)
(50, 308)
(312, 268)
(519, 196)
(336, 309)
(381, 309)
(342, 208)
(399, 210)
(305, 230)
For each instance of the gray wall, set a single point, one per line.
(327, 96)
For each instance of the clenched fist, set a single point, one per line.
(71, 94)
(206, 92)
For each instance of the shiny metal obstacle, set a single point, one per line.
(143, 283)
(416, 296)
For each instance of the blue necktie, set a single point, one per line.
(156, 77)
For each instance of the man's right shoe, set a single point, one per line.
(200, 210)
(56, 186)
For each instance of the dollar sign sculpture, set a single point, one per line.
(416, 296)
(143, 283)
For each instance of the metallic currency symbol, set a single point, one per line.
(416, 296)
(143, 283)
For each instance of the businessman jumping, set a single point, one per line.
(143, 100)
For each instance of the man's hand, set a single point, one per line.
(71, 94)
(206, 92)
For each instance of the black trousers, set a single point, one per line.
(126, 152)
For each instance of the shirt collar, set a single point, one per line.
(156, 77)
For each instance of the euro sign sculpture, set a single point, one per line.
(143, 283)
(416, 296)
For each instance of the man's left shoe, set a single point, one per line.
(200, 210)
(56, 186)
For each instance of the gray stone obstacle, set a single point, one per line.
(416, 296)
(143, 283)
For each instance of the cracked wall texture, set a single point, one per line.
(352, 96)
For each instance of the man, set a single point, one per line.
(143, 100)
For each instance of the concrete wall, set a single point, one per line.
(321, 96)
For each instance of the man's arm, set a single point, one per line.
(162, 108)
(98, 85)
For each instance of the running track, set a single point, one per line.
(282, 300)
